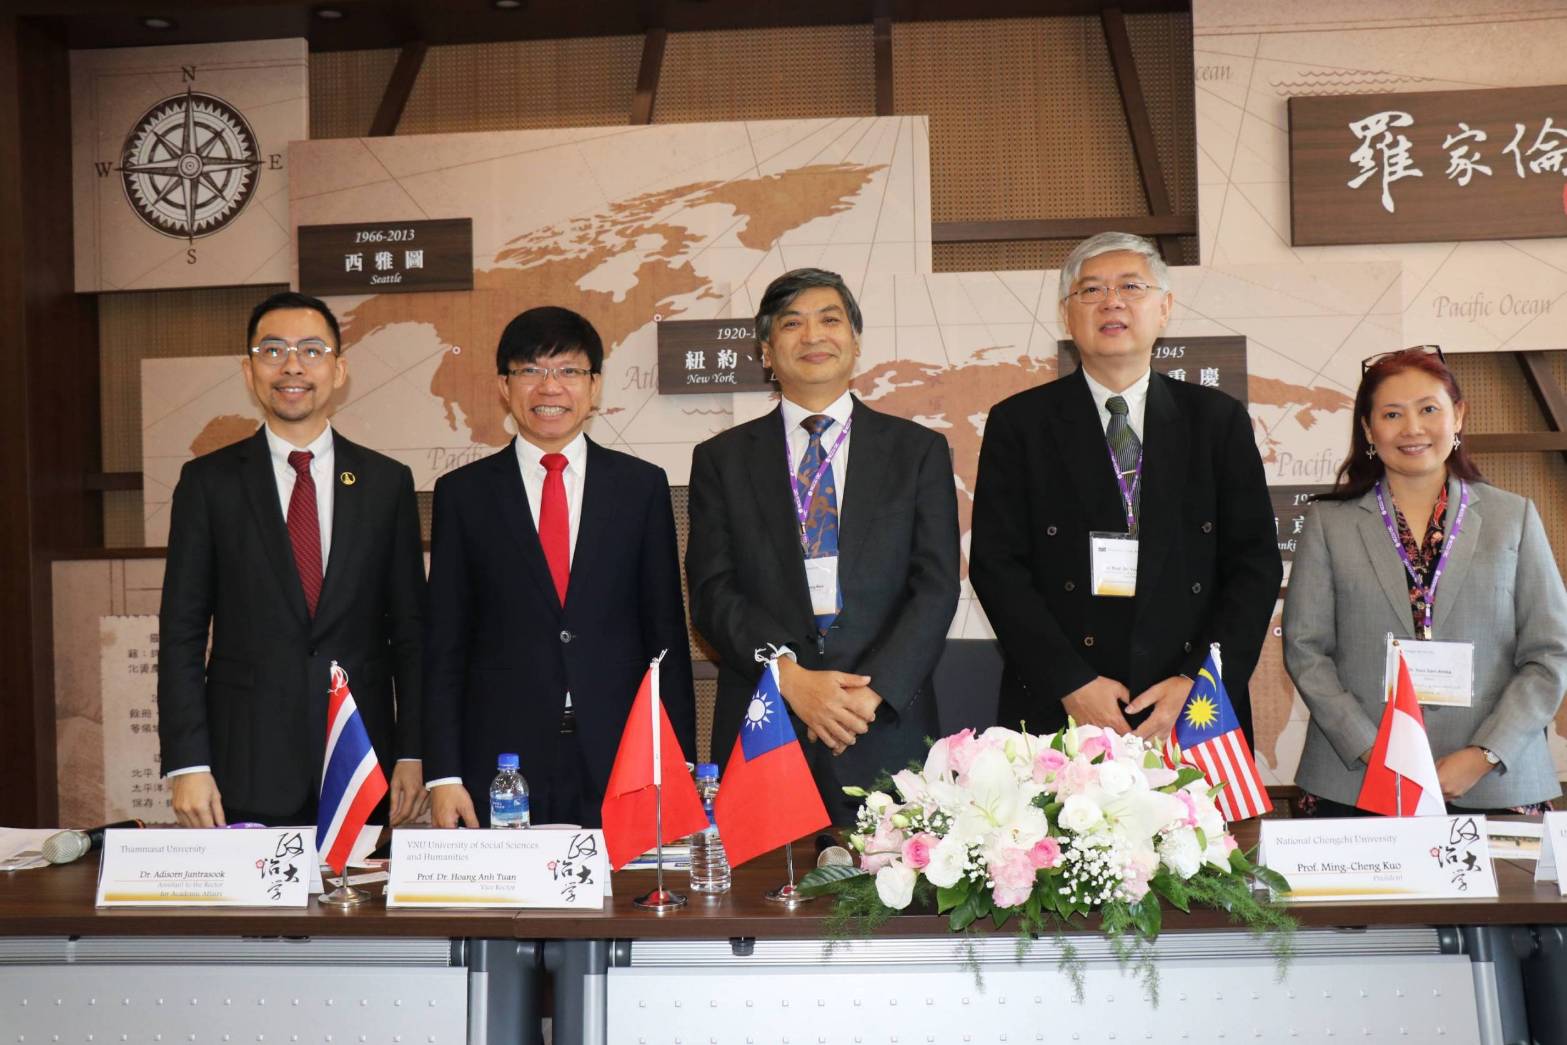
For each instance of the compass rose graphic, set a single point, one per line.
(189, 165)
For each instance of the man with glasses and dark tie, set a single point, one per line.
(829, 530)
(1121, 519)
(295, 548)
(554, 580)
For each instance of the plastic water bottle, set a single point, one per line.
(508, 795)
(709, 862)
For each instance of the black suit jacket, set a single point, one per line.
(501, 651)
(256, 710)
(898, 572)
(1208, 561)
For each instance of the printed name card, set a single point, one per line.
(540, 867)
(1382, 858)
(254, 867)
(1553, 852)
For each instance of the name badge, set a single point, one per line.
(539, 867)
(821, 576)
(1403, 858)
(214, 867)
(1113, 563)
(1443, 672)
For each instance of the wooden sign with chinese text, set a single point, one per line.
(386, 257)
(1437, 166)
(710, 355)
(1216, 361)
(1290, 504)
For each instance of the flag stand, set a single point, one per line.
(659, 900)
(787, 894)
(344, 895)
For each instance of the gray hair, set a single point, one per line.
(781, 292)
(1110, 243)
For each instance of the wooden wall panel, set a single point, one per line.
(767, 74)
(345, 89)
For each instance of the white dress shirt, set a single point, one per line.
(839, 410)
(1136, 396)
(320, 470)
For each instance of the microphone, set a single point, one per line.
(65, 846)
(830, 854)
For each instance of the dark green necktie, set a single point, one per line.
(1127, 449)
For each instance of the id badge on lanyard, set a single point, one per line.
(1113, 564)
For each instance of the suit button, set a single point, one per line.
(1186, 647)
(1088, 640)
(1197, 588)
(566, 636)
(312, 651)
(1069, 586)
(1207, 527)
(1050, 531)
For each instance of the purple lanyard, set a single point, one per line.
(1427, 594)
(802, 506)
(1128, 492)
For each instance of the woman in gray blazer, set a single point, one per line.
(1353, 582)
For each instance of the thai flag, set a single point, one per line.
(1208, 736)
(351, 779)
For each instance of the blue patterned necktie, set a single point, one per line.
(821, 524)
(1127, 449)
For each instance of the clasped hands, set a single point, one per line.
(837, 707)
(1100, 703)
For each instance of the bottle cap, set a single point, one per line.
(506, 762)
(707, 771)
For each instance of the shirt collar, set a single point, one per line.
(530, 456)
(839, 410)
(280, 448)
(1135, 394)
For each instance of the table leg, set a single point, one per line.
(581, 971)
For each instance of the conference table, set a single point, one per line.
(739, 968)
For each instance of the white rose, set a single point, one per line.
(1114, 777)
(1080, 814)
(879, 802)
(895, 885)
(946, 863)
(1181, 852)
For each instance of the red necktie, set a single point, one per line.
(555, 523)
(304, 528)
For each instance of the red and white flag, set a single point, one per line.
(352, 783)
(1401, 775)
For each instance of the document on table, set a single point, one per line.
(22, 848)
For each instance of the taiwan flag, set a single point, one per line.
(767, 798)
(1208, 736)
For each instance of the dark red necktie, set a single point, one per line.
(304, 528)
(555, 523)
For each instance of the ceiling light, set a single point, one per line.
(153, 22)
(506, 5)
(331, 14)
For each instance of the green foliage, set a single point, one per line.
(820, 881)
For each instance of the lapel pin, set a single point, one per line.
(348, 478)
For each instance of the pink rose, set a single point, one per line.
(1046, 853)
(1095, 746)
(884, 847)
(916, 850)
(962, 749)
(1046, 763)
(1075, 776)
(1013, 875)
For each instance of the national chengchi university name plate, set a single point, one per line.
(386, 257)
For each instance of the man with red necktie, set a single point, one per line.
(554, 580)
(295, 548)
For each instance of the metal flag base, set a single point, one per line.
(658, 901)
(787, 895)
(344, 895)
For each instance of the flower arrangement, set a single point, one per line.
(1044, 829)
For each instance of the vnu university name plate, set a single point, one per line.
(1384, 858)
(251, 867)
(540, 867)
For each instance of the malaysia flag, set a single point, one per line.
(1208, 736)
(768, 797)
(351, 779)
(1401, 775)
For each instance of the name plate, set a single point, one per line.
(1553, 852)
(540, 867)
(386, 257)
(710, 355)
(1381, 858)
(1443, 672)
(216, 867)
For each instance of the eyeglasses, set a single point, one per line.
(1427, 350)
(274, 350)
(1095, 293)
(537, 375)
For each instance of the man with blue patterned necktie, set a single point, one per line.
(848, 564)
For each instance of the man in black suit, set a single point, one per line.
(1121, 518)
(298, 548)
(860, 598)
(554, 580)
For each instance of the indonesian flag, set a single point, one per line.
(351, 779)
(1401, 777)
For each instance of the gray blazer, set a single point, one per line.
(1501, 590)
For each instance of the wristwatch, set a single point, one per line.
(1490, 756)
